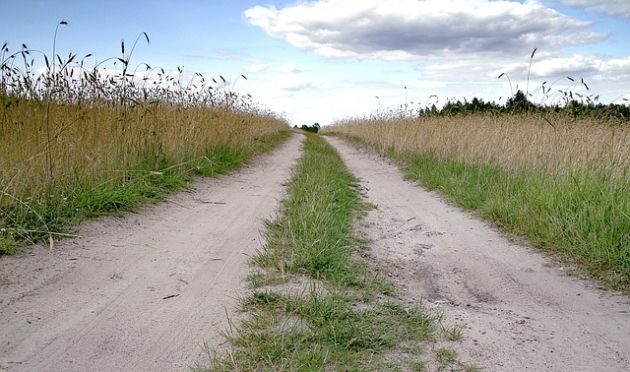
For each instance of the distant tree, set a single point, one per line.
(311, 128)
(519, 104)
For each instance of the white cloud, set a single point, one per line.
(581, 65)
(402, 29)
(575, 66)
(613, 7)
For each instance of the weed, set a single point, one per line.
(418, 366)
(7, 246)
(445, 357)
(453, 333)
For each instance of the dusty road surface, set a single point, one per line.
(145, 291)
(518, 311)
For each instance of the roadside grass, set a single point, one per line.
(566, 188)
(148, 182)
(343, 318)
(579, 217)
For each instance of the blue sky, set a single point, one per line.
(319, 61)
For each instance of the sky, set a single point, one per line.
(326, 60)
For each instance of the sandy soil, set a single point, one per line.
(517, 309)
(144, 291)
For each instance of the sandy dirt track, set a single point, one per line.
(518, 310)
(144, 291)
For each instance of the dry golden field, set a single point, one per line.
(78, 142)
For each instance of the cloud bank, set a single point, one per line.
(403, 29)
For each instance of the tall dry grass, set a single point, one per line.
(514, 142)
(78, 141)
(94, 144)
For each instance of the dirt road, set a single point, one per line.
(518, 310)
(144, 291)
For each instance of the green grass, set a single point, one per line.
(313, 234)
(342, 320)
(8, 246)
(583, 216)
(447, 361)
(326, 331)
(150, 181)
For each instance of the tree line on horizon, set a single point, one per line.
(519, 104)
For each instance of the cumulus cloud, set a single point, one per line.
(581, 65)
(613, 7)
(400, 29)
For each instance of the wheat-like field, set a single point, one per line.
(515, 142)
(78, 141)
(92, 144)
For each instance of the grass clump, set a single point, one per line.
(340, 320)
(561, 182)
(320, 331)
(447, 361)
(7, 246)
